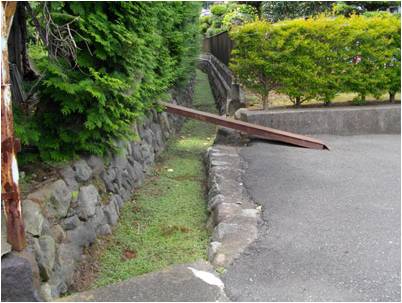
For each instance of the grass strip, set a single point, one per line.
(164, 223)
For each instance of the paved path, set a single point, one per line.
(196, 282)
(332, 222)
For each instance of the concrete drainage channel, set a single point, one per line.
(234, 218)
(233, 221)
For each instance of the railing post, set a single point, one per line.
(10, 194)
(235, 91)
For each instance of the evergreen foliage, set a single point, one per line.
(224, 16)
(128, 55)
(275, 11)
(348, 8)
(320, 57)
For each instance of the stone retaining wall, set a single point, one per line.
(66, 214)
(353, 120)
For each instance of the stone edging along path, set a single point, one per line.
(233, 215)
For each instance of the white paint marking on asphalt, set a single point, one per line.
(207, 277)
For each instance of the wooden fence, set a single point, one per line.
(220, 46)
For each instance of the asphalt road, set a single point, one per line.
(332, 222)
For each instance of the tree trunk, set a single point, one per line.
(298, 102)
(391, 97)
(265, 102)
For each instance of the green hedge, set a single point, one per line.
(129, 54)
(319, 58)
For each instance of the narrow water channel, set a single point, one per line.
(164, 223)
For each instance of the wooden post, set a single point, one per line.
(10, 194)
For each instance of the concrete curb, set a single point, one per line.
(233, 215)
(351, 120)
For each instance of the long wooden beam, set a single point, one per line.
(253, 130)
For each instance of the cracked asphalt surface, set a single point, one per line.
(331, 227)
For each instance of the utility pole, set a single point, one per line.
(10, 193)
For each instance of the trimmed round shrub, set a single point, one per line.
(319, 57)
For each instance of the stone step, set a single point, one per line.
(186, 282)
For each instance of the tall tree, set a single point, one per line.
(279, 10)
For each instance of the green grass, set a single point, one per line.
(165, 222)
